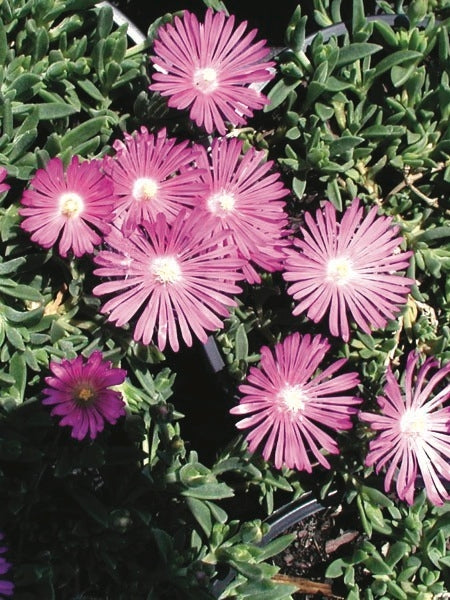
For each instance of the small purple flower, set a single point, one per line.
(4, 187)
(80, 394)
(6, 586)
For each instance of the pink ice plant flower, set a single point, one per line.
(242, 196)
(171, 278)
(80, 392)
(413, 430)
(151, 173)
(208, 67)
(74, 206)
(6, 585)
(290, 403)
(348, 267)
(4, 187)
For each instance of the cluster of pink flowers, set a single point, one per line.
(179, 226)
(175, 279)
(290, 401)
(175, 226)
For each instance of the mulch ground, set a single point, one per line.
(320, 539)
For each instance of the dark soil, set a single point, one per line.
(320, 539)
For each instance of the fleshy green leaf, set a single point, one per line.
(352, 52)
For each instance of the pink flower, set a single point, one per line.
(348, 267)
(242, 197)
(170, 278)
(150, 174)
(208, 67)
(70, 206)
(289, 405)
(4, 187)
(414, 431)
(6, 586)
(79, 393)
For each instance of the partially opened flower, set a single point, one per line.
(4, 187)
(150, 175)
(292, 406)
(6, 585)
(348, 267)
(74, 207)
(80, 392)
(171, 279)
(413, 431)
(208, 67)
(242, 197)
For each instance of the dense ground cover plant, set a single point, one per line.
(287, 207)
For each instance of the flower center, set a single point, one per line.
(414, 423)
(293, 398)
(144, 188)
(166, 269)
(71, 204)
(84, 394)
(206, 80)
(221, 204)
(340, 270)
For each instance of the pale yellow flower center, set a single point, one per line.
(340, 270)
(145, 188)
(206, 80)
(414, 423)
(221, 204)
(70, 204)
(166, 269)
(84, 394)
(294, 398)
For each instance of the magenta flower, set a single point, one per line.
(71, 206)
(414, 431)
(80, 393)
(6, 586)
(242, 197)
(151, 174)
(170, 278)
(4, 187)
(289, 404)
(208, 67)
(348, 267)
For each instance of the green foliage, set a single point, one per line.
(358, 105)
(406, 552)
(64, 78)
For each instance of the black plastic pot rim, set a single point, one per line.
(133, 32)
(291, 513)
(279, 521)
(338, 29)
